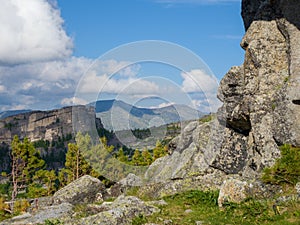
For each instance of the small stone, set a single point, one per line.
(188, 211)
(232, 190)
(168, 222)
(199, 222)
(297, 187)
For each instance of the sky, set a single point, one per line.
(151, 53)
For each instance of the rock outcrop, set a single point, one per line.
(61, 208)
(260, 111)
(49, 213)
(48, 125)
(82, 190)
(121, 211)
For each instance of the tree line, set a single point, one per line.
(30, 178)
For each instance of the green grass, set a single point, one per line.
(203, 207)
(286, 169)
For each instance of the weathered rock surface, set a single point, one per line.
(131, 181)
(232, 191)
(121, 211)
(51, 212)
(46, 125)
(260, 112)
(79, 191)
(236, 190)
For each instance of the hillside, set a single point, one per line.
(240, 166)
(117, 115)
(9, 113)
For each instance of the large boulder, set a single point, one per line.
(236, 190)
(119, 212)
(81, 190)
(39, 217)
(131, 181)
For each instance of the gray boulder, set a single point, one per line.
(121, 211)
(84, 189)
(236, 190)
(39, 217)
(232, 191)
(131, 180)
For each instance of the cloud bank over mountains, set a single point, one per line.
(38, 70)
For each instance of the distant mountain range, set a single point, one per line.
(117, 115)
(12, 113)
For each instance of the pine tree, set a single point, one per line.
(137, 159)
(76, 165)
(159, 150)
(147, 158)
(25, 162)
(121, 156)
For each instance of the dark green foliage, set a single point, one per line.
(208, 198)
(102, 132)
(5, 188)
(45, 144)
(141, 133)
(139, 220)
(52, 222)
(286, 169)
(5, 159)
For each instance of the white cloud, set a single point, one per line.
(74, 101)
(93, 83)
(199, 81)
(166, 104)
(41, 85)
(52, 84)
(2, 88)
(203, 89)
(31, 30)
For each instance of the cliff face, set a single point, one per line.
(47, 125)
(261, 105)
(261, 97)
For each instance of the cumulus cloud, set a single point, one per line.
(94, 83)
(74, 101)
(40, 85)
(202, 88)
(199, 81)
(44, 85)
(31, 31)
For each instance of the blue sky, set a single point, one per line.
(211, 29)
(47, 49)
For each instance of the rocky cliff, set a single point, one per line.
(260, 109)
(47, 125)
(54, 128)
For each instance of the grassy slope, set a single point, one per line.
(202, 206)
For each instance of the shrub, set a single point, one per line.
(286, 169)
